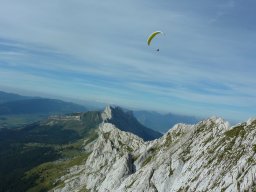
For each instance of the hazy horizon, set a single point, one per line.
(94, 105)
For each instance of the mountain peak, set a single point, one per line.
(113, 111)
(125, 121)
(251, 121)
(107, 113)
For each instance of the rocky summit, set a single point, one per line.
(207, 156)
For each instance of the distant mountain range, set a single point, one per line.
(162, 122)
(17, 110)
(14, 104)
(39, 105)
(8, 97)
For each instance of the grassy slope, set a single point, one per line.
(40, 144)
(16, 121)
(43, 177)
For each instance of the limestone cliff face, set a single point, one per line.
(125, 121)
(208, 156)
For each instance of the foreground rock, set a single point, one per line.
(208, 156)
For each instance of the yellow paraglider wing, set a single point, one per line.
(152, 36)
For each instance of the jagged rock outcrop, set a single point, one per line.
(208, 156)
(109, 163)
(125, 121)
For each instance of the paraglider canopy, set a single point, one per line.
(152, 36)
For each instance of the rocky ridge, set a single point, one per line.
(207, 156)
(126, 121)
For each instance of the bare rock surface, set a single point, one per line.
(208, 156)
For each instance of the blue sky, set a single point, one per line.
(96, 51)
